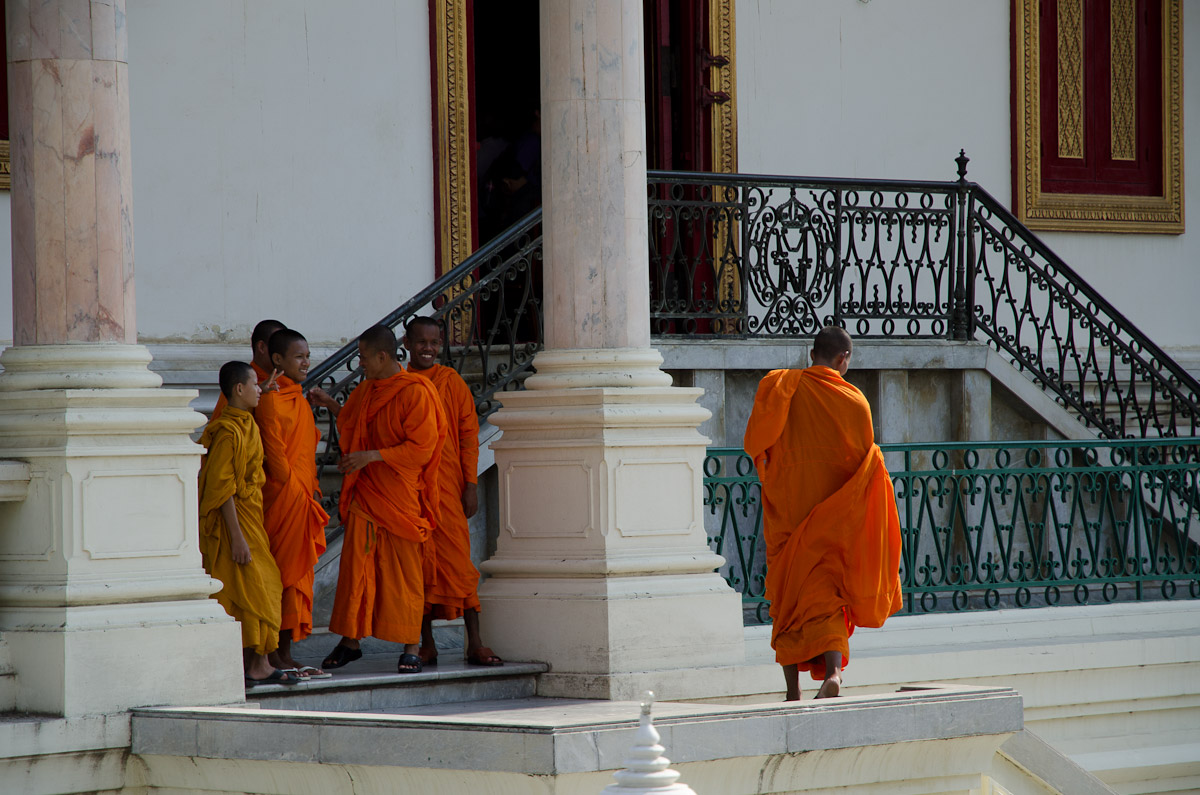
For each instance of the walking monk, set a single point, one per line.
(452, 593)
(829, 514)
(292, 513)
(391, 434)
(260, 357)
(233, 544)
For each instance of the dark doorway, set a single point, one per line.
(505, 97)
(506, 108)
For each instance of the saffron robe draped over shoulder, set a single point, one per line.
(389, 507)
(233, 467)
(454, 588)
(294, 519)
(829, 514)
(222, 402)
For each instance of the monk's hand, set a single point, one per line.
(352, 462)
(269, 385)
(470, 499)
(319, 397)
(240, 550)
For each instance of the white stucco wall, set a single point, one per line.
(894, 88)
(282, 164)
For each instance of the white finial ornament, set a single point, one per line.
(646, 769)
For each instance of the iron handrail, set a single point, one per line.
(1005, 524)
(433, 290)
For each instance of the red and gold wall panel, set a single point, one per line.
(1098, 115)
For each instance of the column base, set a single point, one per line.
(104, 603)
(602, 567)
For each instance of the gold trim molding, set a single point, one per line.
(1090, 212)
(5, 166)
(452, 133)
(723, 45)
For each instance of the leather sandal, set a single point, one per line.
(340, 656)
(483, 656)
(409, 664)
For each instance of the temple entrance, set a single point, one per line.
(503, 97)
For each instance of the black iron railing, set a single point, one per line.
(490, 309)
(1005, 524)
(741, 256)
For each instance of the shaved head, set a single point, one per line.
(379, 338)
(264, 329)
(832, 348)
(428, 322)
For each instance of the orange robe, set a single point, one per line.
(222, 402)
(233, 467)
(389, 508)
(829, 514)
(454, 588)
(293, 516)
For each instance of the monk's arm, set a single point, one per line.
(468, 445)
(322, 399)
(238, 547)
(418, 428)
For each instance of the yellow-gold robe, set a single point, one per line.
(233, 467)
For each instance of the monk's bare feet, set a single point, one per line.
(831, 687)
(791, 677)
(256, 666)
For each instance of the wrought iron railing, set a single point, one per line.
(1006, 524)
(490, 309)
(742, 256)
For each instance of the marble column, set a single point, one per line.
(103, 601)
(602, 565)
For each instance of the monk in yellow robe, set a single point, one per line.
(391, 433)
(453, 591)
(829, 514)
(260, 357)
(295, 521)
(233, 544)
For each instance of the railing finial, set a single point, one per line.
(962, 161)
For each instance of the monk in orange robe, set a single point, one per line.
(233, 544)
(829, 514)
(391, 433)
(260, 357)
(295, 521)
(453, 591)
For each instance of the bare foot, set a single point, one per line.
(830, 688)
(257, 666)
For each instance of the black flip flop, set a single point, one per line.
(410, 660)
(277, 677)
(340, 656)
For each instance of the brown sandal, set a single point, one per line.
(483, 656)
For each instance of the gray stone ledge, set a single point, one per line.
(559, 736)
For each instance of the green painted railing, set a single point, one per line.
(1005, 524)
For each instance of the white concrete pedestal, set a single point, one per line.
(602, 566)
(103, 601)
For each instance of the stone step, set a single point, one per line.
(372, 684)
(8, 679)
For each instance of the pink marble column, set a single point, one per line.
(72, 190)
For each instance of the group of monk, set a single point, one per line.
(409, 443)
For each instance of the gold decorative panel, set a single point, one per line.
(1070, 78)
(1096, 212)
(1123, 79)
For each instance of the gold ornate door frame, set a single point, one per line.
(452, 135)
(1092, 212)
